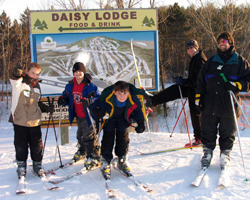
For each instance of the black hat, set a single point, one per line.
(79, 66)
(193, 43)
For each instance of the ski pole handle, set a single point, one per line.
(223, 76)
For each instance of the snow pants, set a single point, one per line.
(115, 132)
(87, 139)
(211, 125)
(25, 137)
(172, 93)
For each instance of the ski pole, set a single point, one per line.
(139, 81)
(58, 133)
(236, 122)
(235, 119)
(185, 117)
(57, 147)
(50, 115)
(178, 119)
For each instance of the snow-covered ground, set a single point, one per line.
(168, 174)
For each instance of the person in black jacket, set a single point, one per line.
(187, 88)
(213, 98)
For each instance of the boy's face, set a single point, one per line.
(121, 95)
(78, 74)
(33, 73)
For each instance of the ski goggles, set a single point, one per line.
(222, 41)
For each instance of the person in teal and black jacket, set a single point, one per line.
(213, 98)
(120, 106)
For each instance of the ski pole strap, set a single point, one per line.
(48, 100)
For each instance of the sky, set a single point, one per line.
(14, 8)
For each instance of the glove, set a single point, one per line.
(149, 100)
(85, 102)
(61, 101)
(140, 128)
(234, 86)
(98, 112)
(50, 109)
(178, 80)
(17, 71)
(199, 102)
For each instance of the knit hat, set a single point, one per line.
(79, 66)
(193, 43)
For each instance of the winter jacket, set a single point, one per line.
(197, 61)
(26, 110)
(88, 88)
(133, 110)
(210, 84)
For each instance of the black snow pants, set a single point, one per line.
(210, 128)
(115, 132)
(87, 139)
(26, 137)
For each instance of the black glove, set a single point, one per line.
(178, 80)
(61, 101)
(85, 102)
(234, 86)
(149, 100)
(140, 128)
(17, 71)
(98, 112)
(199, 102)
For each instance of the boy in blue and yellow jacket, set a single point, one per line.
(120, 103)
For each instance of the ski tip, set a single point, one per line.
(53, 173)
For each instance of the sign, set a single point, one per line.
(92, 21)
(100, 39)
(56, 115)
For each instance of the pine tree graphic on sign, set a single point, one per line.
(147, 22)
(39, 25)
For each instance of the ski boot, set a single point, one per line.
(91, 163)
(207, 157)
(224, 159)
(79, 156)
(21, 169)
(105, 169)
(195, 142)
(37, 169)
(123, 165)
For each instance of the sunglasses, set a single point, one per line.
(190, 47)
(222, 41)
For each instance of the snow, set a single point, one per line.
(168, 174)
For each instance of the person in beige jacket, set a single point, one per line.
(26, 117)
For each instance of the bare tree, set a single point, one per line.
(230, 18)
(70, 4)
(152, 3)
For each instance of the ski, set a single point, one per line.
(109, 189)
(199, 178)
(167, 150)
(67, 164)
(224, 180)
(131, 177)
(21, 186)
(82, 171)
(53, 83)
(45, 182)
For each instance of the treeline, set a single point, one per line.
(176, 26)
